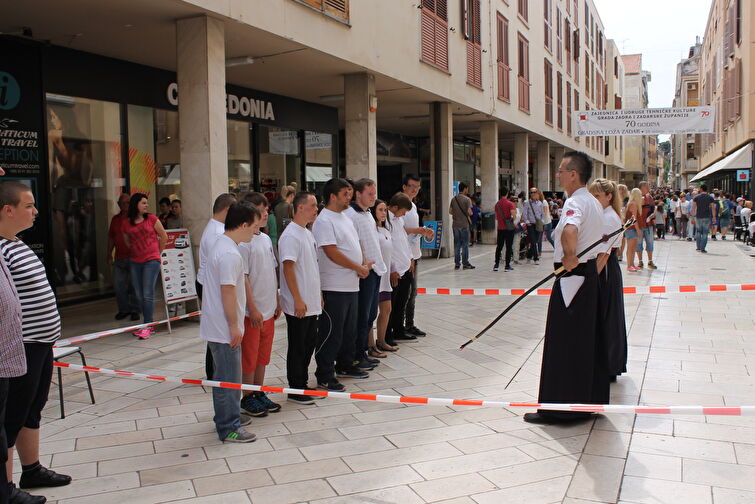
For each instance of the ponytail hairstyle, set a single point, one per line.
(605, 186)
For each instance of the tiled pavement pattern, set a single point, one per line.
(147, 443)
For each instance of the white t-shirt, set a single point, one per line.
(611, 222)
(364, 223)
(584, 211)
(401, 255)
(259, 264)
(411, 220)
(684, 207)
(386, 250)
(745, 215)
(335, 228)
(224, 266)
(212, 230)
(298, 245)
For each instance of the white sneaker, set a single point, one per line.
(537, 262)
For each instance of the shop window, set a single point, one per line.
(84, 139)
(280, 160)
(319, 156)
(240, 172)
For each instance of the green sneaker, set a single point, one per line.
(241, 435)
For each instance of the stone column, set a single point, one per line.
(361, 131)
(200, 44)
(441, 138)
(521, 162)
(489, 169)
(543, 166)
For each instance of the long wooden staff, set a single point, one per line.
(557, 274)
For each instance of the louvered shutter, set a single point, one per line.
(434, 36)
(336, 8)
(737, 88)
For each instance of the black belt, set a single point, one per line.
(580, 270)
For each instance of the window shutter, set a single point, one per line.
(575, 45)
(317, 4)
(737, 88)
(502, 59)
(465, 18)
(729, 33)
(474, 64)
(548, 76)
(434, 36)
(337, 8)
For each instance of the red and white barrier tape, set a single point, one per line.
(434, 401)
(120, 330)
(645, 289)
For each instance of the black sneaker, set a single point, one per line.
(253, 406)
(135, 317)
(42, 477)
(331, 385)
(121, 315)
(371, 360)
(352, 372)
(269, 405)
(456, 266)
(20, 497)
(301, 399)
(495, 267)
(404, 337)
(361, 364)
(415, 331)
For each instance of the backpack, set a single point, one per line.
(725, 210)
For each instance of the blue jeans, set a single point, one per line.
(366, 311)
(647, 237)
(702, 228)
(227, 363)
(548, 230)
(144, 276)
(461, 246)
(124, 292)
(536, 238)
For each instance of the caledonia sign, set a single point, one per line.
(659, 121)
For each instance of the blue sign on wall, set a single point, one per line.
(433, 243)
(743, 175)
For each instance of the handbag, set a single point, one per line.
(538, 222)
(508, 222)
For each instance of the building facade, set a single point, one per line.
(636, 148)
(686, 148)
(192, 98)
(727, 73)
(614, 148)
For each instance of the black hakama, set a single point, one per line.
(573, 368)
(612, 319)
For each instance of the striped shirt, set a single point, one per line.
(39, 310)
(12, 355)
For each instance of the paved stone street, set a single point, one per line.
(146, 442)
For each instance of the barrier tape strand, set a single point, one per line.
(645, 289)
(432, 401)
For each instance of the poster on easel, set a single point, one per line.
(177, 269)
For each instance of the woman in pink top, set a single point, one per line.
(146, 238)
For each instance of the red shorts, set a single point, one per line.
(256, 345)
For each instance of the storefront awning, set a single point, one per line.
(739, 159)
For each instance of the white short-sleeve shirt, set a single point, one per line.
(401, 255)
(386, 250)
(584, 211)
(335, 228)
(224, 267)
(260, 263)
(611, 222)
(298, 245)
(411, 220)
(212, 230)
(364, 223)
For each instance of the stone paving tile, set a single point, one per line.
(683, 350)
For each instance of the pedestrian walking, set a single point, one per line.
(613, 327)
(505, 213)
(341, 266)
(146, 239)
(646, 224)
(533, 217)
(547, 224)
(117, 257)
(222, 321)
(573, 368)
(460, 210)
(703, 208)
(301, 299)
(660, 222)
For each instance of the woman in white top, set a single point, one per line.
(547, 224)
(380, 213)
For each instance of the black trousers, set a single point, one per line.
(27, 394)
(338, 334)
(302, 338)
(507, 237)
(399, 301)
(409, 314)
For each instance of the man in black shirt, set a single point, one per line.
(703, 209)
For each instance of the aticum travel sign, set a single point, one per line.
(658, 121)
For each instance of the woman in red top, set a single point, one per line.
(146, 238)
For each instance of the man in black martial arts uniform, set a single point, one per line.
(574, 368)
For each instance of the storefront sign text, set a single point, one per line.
(244, 106)
(659, 121)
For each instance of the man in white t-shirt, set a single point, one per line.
(365, 195)
(214, 228)
(341, 266)
(262, 309)
(414, 233)
(222, 322)
(300, 297)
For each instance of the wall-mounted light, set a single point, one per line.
(373, 103)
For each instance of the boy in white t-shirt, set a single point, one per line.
(263, 309)
(222, 323)
(339, 256)
(300, 299)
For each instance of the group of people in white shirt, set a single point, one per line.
(356, 265)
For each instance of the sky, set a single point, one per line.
(662, 30)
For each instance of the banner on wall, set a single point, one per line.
(23, 142)
(177, 267)
(657, 121)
